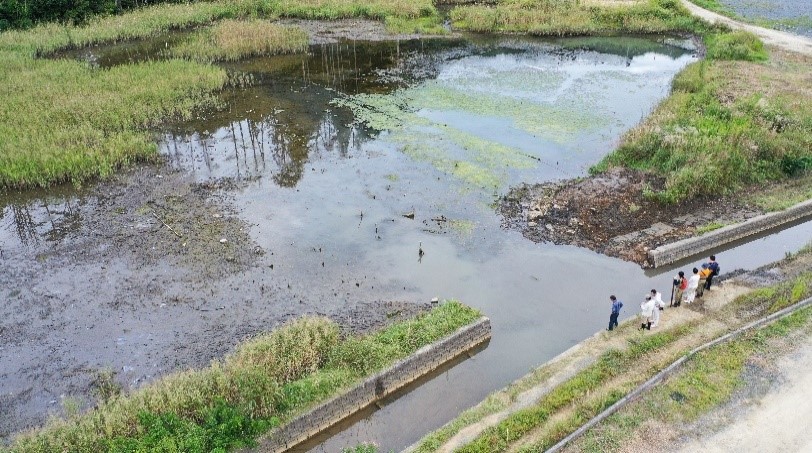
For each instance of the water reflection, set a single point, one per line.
(285, 117)
(30, 218)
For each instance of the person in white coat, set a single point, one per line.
(659, 305)
(646, 312)
(693, 284)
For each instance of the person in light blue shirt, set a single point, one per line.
(616, 306)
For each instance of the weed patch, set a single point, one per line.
(727, 125)
(236, 39)
(264, 382)
(572, 17)
(64, 121)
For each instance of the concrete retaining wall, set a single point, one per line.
(423, 361)
(685, 248)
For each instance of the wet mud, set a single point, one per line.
(147, 274)
(610, 214)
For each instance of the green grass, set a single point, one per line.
(611, 364)
(727, 124)
(574, 17)
(771, 299)
(64, 121)
(231, 40)
(781, 196)
(736, 45)
(262, 384)
(708, 227)
(708, 380)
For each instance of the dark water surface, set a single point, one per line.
(458, 122)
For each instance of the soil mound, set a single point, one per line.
(610, 214)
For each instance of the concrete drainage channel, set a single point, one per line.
(377, 387)
(670, 369)
(685, 248)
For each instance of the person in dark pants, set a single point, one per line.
(616, 306)
(714, 268)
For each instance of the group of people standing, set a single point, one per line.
(682, 290)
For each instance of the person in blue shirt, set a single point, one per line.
(714, 267)
(616, 306)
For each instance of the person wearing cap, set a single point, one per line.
(714, 268)
(616, 306)
(647, 310)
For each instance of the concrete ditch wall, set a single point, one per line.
(374, 388)
(685, 248)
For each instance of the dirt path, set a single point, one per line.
(784, 40)
(776, 421)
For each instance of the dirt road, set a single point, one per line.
(784, 40)
(779, 421)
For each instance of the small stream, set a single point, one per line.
(353, 156)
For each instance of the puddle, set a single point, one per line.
(331, 149)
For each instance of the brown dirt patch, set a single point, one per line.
(609, 214)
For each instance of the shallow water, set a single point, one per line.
(455, 124)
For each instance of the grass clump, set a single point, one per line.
(736, 45)
(727, 125)
(575, 17)
(708, 227)
(231, 40)
(264, 382)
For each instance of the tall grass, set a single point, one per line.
(231, 40)
(575, 17)
(66, 121)
(727, 124)
(263, 382)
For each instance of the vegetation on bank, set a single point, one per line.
(734, 120)
(576, 17)
(617, 371)
(231, 40)
(263, 383)
(64, 120)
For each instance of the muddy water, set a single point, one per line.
(344, 163)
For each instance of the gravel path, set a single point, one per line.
(784, 40)
(777, 422)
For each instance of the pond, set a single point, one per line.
(348, 160)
